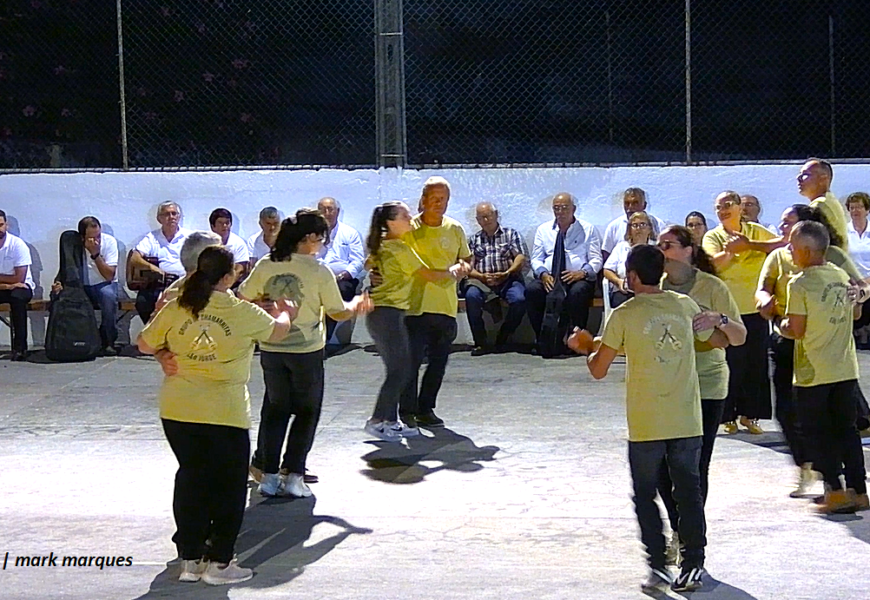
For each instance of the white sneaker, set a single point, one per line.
(218, 574)
(401, 428)
(806, 481)
(295, 485)
(192, 570)
(380, 430)
(658, 579)
(271, 485)
(672, 553)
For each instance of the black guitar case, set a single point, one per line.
(72, 334)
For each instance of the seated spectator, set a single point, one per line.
(858, 205)
(193, 246)
(566, 258)
(161, 246)
(16, 286)
(641, 230)
(343, 253)
(498, 255)
(696, 222)
(633, 200)
(750, 206)
(221, 222)
(99, 279)
(260, 244)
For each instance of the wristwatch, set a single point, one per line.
(723, 320)
(95, 256)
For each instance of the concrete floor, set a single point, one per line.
(525, 495)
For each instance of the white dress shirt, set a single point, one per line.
(859, 248)
(109, 252)
(257, 247)
(616, 261)
(239, 248)
(167, 252)
(582, 248)
(15, 253)
(616, 229)
(344, 252)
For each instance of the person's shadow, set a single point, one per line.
(274, 531)
(397, 463)
(712, 590)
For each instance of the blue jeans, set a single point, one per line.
(513, 292)
(682, 457)
(105, 297)
(429, 336)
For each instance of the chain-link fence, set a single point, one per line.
(222, 83)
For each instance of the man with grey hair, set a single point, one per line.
(260, 244)
(498, 255)
(193, 246)
(343, 253)
(566, 259)
(160, 253)
(750, 207)
(633, 200)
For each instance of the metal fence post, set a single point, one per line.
(833, 89)
(390, 84)
(123, 99)
(688, 81)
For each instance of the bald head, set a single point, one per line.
(487, 217)
(563, 209)
(814, 179)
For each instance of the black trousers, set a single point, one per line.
(347, 288)
(749, 383)
(294, 385)
(17, 300)
(386, 325)
(575, 308)
(210, 487)
(828, 413)
(682, 459)
(711, 412)
(146, 302)
(782, 357)
(429, 336)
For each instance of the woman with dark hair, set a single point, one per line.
(400, 269)
(293, 368)
(749, 384)
(696, 222)
(204, 408)
(689, 271)
(772, 298)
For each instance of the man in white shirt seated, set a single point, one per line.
(221, 222)
(633, 200)
(162, 246)
(344, 254)
(16, 286)
(575, 272)
(99, 279)
(260, 244)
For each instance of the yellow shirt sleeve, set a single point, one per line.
(252, 286)
(837, 257)
(769, 273)
(154, 333)
(797, 304)
(614, 330)
(713, 242)
(693, 309)
(256, 323)
(464, 250)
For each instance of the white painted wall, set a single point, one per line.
(41, 206)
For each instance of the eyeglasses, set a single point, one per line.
(667, 244)
(561, 208)
(726, 205)
(639, 225)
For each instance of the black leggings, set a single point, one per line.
(749, 383)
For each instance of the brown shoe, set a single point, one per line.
(837, 502)
(255, 473)
(862, 501)
(731, 427)
(752, 425)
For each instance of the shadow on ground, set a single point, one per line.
(712, 590)
(272, 542)
(397, 463)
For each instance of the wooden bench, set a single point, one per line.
(37, 305)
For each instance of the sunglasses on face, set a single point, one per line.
(667, 245)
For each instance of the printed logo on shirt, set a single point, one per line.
(284, 286)
(660, 329)
(203, 347)
(838, 291)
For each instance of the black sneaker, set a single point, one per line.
(430, 419)
(689, 579)
(409, 420)
(479, 351)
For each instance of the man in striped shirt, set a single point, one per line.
(498, 256)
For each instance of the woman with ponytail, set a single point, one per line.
(293, 367)
(204, 408)
(401, 269)
(689, 271)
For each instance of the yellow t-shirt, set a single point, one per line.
(779, 268)
(439, 248)
(308, 283)
(662, 396)
(214, 359)
(741, 272)
(826, 353)
(397, 263)
(709, 293)
(836, 215)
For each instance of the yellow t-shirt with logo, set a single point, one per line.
(308, 283)
(836, 215)
(397, 263)
(826, 353)
(662, 395)
(741, 272)
(214, 359)
(439, 248)
(709, 293)
(779, 268)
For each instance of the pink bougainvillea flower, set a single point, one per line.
(29, 110)
(240, 63)
(65, 112)
(246, 118)
(59, 70)
(209, 77)
(179, 96)
(165, 11)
